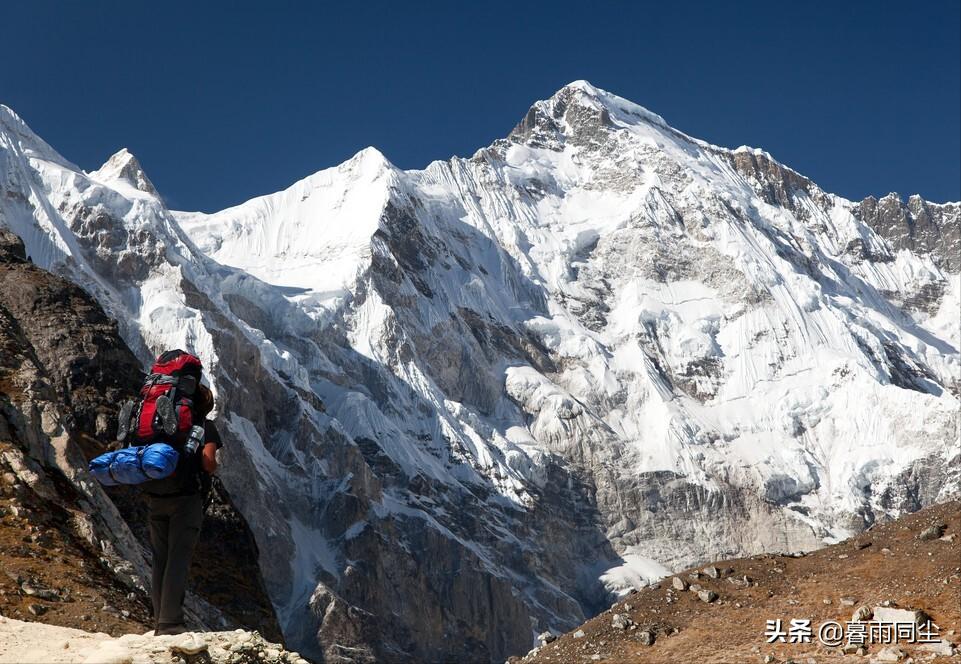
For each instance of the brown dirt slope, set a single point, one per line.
(888, 563)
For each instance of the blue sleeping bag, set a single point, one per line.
(134, 465)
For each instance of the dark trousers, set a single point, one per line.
(174, 527)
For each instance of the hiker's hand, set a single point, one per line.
(209, 458)
(114, 446)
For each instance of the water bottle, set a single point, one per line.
(195, 439)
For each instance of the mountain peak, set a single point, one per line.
(125, 167)
(370, 160)
(11, 122)
(584, 86)
(576, 108)
(7, 114)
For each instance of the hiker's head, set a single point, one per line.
(203, 401)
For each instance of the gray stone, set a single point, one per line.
(189, 644)
(678, 583)
(35, 590)
(862, 613)
(646, 638)
(707, 596)
(942, 647)
(884, 614)
(579, 634)
(546, 637)
(890, 654)
(712, 572)
(620, 621)
(932, 533)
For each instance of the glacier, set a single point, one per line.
(469, 403)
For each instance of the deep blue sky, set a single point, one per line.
(225, 101)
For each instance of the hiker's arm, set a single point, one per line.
(209, 459)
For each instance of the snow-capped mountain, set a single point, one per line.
(464, 404)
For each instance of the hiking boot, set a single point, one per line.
(167, 415)
(125, 418)
(171, 629)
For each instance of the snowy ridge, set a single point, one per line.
(594, 351)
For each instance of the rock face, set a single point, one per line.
(63, 370)
(465, 404)
(916, 226)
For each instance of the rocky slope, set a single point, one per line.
(911, 563)
(71, 552)
(467, 404)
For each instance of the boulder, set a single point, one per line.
(707, 596)
(887, 614)
(192, 644)
(646, 638)
(890, 654)
(862, 613)
(931, 533)
(942, 647)
(678, 583)
(620, 621)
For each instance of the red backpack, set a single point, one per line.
(164, 410)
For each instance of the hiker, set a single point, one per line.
(176, 511)
(173, 463)
(167, 446)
